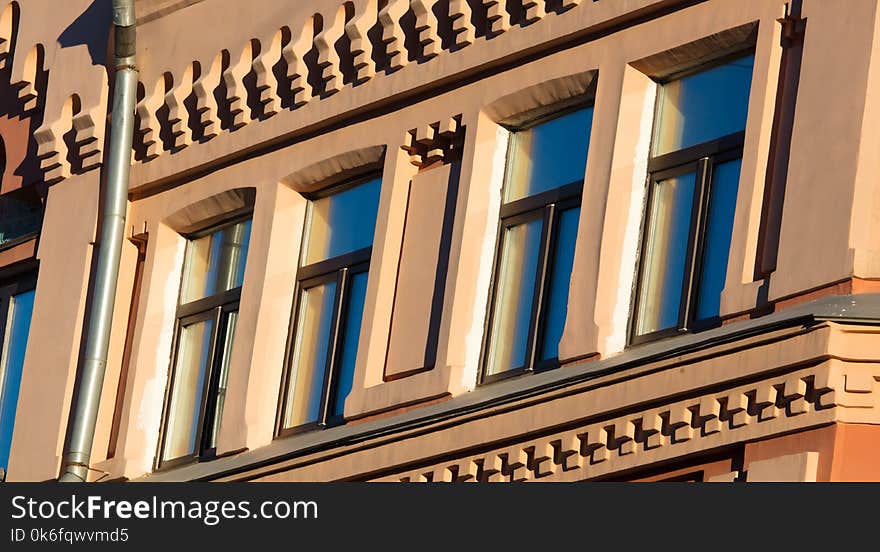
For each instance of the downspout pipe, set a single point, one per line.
(90, 375)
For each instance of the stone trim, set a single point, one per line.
(789, 402)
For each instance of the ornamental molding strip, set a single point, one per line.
(291, 65)
(439, 141)
(833, 391)
(334, 49)
(302, 69)
(72, 103)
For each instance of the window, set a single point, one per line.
(539, 220)
(331, 288)
(206, 319)
(693, 181)
(21, 214)
(16, 307)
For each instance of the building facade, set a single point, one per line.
(451, 240)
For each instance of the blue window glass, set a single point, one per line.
(21, 215)
(689, 222)
(213, 274)
(18, 323)
(305, 390)
(539, 230)
(716, 246)
(514, 297)
(549, 155)
(222, 385)
(704, 106)
(333, 280)
(215, 263)
(665, 263)
(343, 222)
(352, 330)
(560, 276)
(188, 385)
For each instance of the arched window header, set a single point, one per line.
(212, 210)
(335, 170)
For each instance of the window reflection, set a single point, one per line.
(343, 222)
(207, 317)
(704, 106)
(190, 374)
(560, 276)
(352, 329)
(542, 193)
(223, 377)
(333, 286)
(666, 251)
(310, 355)
(697, 152)
(21, 215)
(549, 155)
(513, 303)
(215, 263)
(18, 322)
(716, 248)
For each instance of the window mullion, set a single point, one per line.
(540, 284)
(333, 342)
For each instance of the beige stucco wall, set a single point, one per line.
(830, 212)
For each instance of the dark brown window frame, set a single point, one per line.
(543, 206)
(217, 308)
(701, 159)
(340, 269)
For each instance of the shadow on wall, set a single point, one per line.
(92, 29)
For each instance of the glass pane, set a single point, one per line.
(215, 263)
(21, 214)
(223, 377)
(513, 297)
(549, 155)
(719, 228)
(18, 324)
(343, 222)
(353, 317)
(704, 106)
(306, 384)
(560, 278)
(190, 373)
(663, 268)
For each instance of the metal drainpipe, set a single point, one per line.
(87, 397)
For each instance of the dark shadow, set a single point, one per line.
(794, 29)
(516, 11)
(29, 170)
(139, 142)
(478, 17)
(315, 77)
(224, 108)
(411, 47)
(343, 49)
(69, 138)
(257, 110)
(190, 103)
(92, 29)
(443, 257)
(168, 129)
(555, 6)
(379, 51)
(444, 24)
(280, 69)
